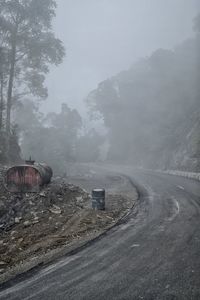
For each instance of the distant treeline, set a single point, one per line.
(56, 138)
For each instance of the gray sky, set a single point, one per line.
(104, 37)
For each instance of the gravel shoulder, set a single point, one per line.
(38, 228)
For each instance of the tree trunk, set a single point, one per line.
(9, 95)
(1, 103)
(10, 87)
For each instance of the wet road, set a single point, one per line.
(155, 254)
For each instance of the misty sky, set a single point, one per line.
(104, 37)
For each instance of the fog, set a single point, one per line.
(105, 37)
(109, 80)
(99, 149)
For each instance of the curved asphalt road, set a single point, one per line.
(154, 255)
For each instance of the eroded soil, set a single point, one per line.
(34, 225)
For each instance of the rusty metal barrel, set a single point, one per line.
(98, 199)
(27, 178)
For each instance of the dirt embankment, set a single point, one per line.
(35, 228)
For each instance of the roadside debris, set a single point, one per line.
(55, 209)
(28, 177)
(98, 199)
(32, 224)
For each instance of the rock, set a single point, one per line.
(73, 188)
(3, 263)
(110, 218)
(55, 210)
(17, 220)
(36, 220)
(27, 223)
(43, 194)
(80, 206)
(79, 199)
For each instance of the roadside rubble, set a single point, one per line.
(34, 224)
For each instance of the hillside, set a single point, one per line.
(152, 110)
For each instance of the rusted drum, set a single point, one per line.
(98, 199)
(27, 178)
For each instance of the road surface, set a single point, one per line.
(155, 254)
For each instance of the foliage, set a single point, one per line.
(57, 138)
(150, 109)
(27, 48)
(50, 139)
(15, 151)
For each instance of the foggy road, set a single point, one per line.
(153, 255)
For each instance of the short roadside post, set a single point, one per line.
(98, 199)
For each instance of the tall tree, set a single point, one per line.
(26, 27)
(1, 88)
